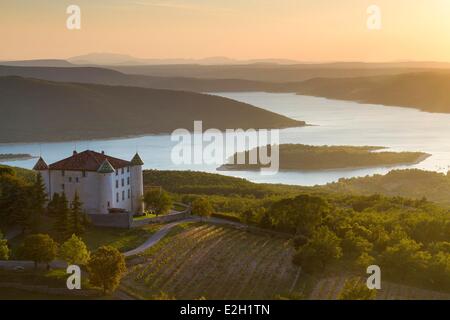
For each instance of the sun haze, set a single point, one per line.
(252, 29)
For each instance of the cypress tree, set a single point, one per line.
(62, 221)
(77, 219)
(52, 207)
(38, 199)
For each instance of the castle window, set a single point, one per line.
(63, 187)
(128, 181)
(117, 173)
(123, 170)
(117, 197)
(123, 195)
(123, 182)
(129, 193)
(109, 205)
(128, 169)
(84, 174)
(76, 180)
(63, 173)
(117, 184)
(70, 179)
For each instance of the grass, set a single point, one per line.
(95, 237)
(121, 239)
(145, 216)
(198, 260)
(178, 207)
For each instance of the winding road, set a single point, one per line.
(154, 238)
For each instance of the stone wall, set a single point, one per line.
(163, 219)
(113, 220)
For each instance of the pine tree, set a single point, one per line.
(53, 204)
(62, 221)
(77, 219)
(38, 199)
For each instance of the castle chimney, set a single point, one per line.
(103, 152)
(74, 152)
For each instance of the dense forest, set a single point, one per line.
(304, 157)
(411, 183)
(408, 238)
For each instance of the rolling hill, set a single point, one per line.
(39, 110)
(111, 77)
(427, 91)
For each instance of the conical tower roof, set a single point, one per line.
(137, 161)
(40, 165)
(106, 167)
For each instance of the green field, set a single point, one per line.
(215, 262)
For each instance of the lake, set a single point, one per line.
(335, 123)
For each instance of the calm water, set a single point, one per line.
(336, 123)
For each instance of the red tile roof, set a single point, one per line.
(88, 161)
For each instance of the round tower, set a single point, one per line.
(137, 184)
(106, 171)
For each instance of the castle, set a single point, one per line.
(104, 184)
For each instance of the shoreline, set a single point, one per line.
(17, 158)
(349, 168)
(135, 136)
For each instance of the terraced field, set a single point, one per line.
(215, 262)
(329, 289)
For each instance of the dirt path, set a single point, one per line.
(154, 238)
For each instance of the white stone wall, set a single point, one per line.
(96, 190)
(87, 187)
(137, 189)
(122, 189)
(106, 192)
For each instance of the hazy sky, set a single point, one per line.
(308, 30)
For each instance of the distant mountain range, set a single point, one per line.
(123, 59)
(40, 110)
(38, 63)
(425, 90)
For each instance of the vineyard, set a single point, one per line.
(329, 289)
(215, 262)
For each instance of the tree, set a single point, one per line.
(202, 207)
(53, 204)
(39, 248)
(158, 201)
(247, 216)
(355, 289)
(405, 259)
(38, 200)
(354, 246)
(15, 202)
(106, 268)
(62, 221)
(4, 250)
(74, 251)
(364, 260)
(300, 215)
(265, 221)
(77, 220)
(321, 249)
